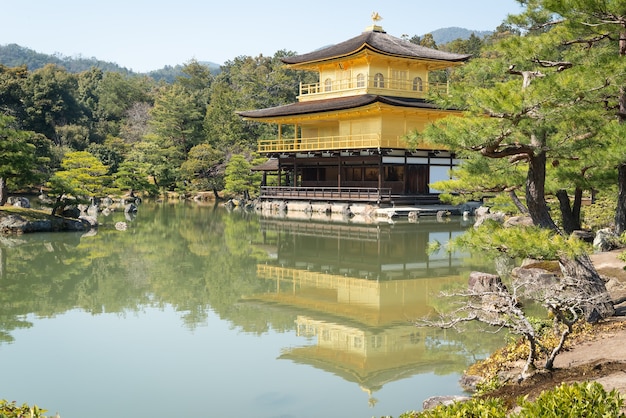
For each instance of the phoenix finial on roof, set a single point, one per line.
(376, 17)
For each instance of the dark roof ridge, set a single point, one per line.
(333, 104)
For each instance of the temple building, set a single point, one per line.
(344, 139)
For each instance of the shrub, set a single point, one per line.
(587, 400)
(474, 408)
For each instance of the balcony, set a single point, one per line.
(324, 143)
(327, 194)
(371, 85)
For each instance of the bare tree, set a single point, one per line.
(488, 300)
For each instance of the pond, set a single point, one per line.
(195, 311)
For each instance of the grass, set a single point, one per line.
(30, 214)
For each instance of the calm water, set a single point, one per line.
(198, 312)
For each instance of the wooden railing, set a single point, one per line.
(336, 142)
(364, 194)
(387, 86)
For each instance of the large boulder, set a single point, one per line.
(605, 240)
(92, 221)
(16, 224)
(19, 201)
(435, 401)
(483, 214)
(480, 282)
(514, 221)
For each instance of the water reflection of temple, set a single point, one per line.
(356, 289)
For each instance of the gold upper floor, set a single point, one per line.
(369, 73)
(364, 83)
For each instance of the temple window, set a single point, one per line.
(379, 80)
(417, 84)
(328, 84)
(360, 80)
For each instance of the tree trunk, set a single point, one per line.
(535, 192)
(577, 206)
(4, 191)
(529, 366)
(581, 269)
(517, 202)
(570, 214)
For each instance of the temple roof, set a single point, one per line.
(340, 103)
(379, 41)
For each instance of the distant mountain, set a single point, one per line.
(13, 55)
(445, 35)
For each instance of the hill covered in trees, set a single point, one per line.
(13, 55)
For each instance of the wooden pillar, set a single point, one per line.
(380, 175)
(295, 172)
(339, 172)
(407, 173)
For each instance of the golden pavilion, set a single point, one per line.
(344, 139)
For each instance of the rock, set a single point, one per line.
(482, 216)
(17, 224)
(469, 382)
(93, 210)
(514, 221)
(535, 275)
(504, 265)
(584, 235)
(19, 201)
(130, 208)
(471, 208)
(71, 212)
(13, 224)
(91, 221)
(605, 240)
(480, 282)
(441, 214)
(481, 211)
(435, 401)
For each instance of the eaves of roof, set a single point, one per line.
(327, 105)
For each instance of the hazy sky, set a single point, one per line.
(146, 35)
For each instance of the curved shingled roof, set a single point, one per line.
(380, 42)
(327, 105)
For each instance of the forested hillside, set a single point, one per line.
(13, 55)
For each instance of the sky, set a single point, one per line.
(144, 35)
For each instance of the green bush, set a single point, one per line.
(587, 400)
(599, 215)
(474, 408)
(12, 410)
